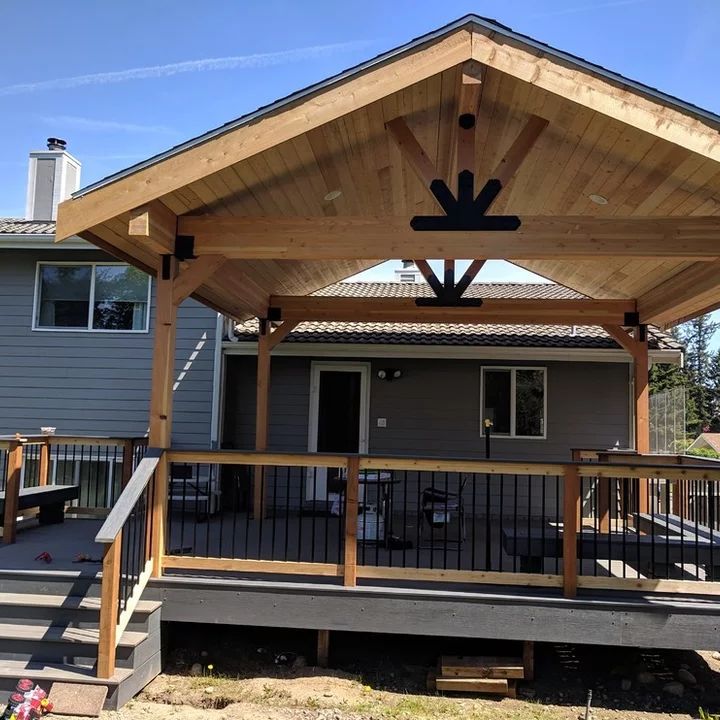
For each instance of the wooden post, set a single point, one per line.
(641, 368)
(528, 660)
(161, 398)
(323, 648)
(127, 463)
(571, 502)
(262, 421)
(12, 490)
(44, 469)
(351, 521)
(109, 599)
(603, 504)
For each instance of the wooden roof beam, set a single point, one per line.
(691, 292)
(591, 89)
(156, 225)
(369, 238)
(308, 111)
(492, 311)
(196, 273)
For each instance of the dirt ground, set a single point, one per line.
(263, 674)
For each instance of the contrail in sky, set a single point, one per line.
(233, 62)
(91, 124)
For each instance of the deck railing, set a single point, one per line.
(99, 466)
(569, 525)
(646, 525)
(130, 549)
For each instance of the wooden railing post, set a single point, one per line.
(127, 463)
(110, 596)
(44, 470)
(571, 503)
(351, 521)
(12, 490)
(159, 509)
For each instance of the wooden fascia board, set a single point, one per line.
(492, 311)
(613, 99)
(308, 112)
(365, 237)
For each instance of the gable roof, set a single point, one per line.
(651, 154)
(451, 334)
(15, 226)
(711, 440)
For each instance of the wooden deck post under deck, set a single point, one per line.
(12, 490)
(161, 398)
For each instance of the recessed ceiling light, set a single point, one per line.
(333, 195)
(598, 199)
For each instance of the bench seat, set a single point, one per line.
(50, 499)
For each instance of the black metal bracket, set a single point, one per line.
(274, 314)
(642, 333)
(448, 299)
(631, 319)
(185, 247)
(165, 267)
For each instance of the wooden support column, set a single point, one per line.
(109, 608)
(641, 382)
(262, 419)
(571, 507)
(351, 521)
(323, 648)
(44, 466)
(529, 660)
(12, 490)
(268, 338)
(163, 372)
(637, 345)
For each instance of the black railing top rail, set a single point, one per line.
(122, 509)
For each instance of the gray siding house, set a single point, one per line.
(547, 388)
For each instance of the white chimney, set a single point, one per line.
(53, 175)
(408, 272)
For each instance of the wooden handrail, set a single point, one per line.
(120, 512)
(638, 470)
(110, 534)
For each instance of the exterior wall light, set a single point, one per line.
(389, 374)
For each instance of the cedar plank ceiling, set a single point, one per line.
(580, 152)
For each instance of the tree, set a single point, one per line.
(700, 366)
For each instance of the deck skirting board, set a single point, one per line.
(599, 621)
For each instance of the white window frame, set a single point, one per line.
(513, 401)
(89, 328)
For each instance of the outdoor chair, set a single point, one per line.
(442, 515)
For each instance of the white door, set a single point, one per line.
(339, 416)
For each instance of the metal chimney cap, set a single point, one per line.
(56, 144)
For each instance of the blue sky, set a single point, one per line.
(121, 81)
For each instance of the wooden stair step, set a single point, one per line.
(144, 607)
(51, 633)
(495, 686)
(43, 673)
(459, 666)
